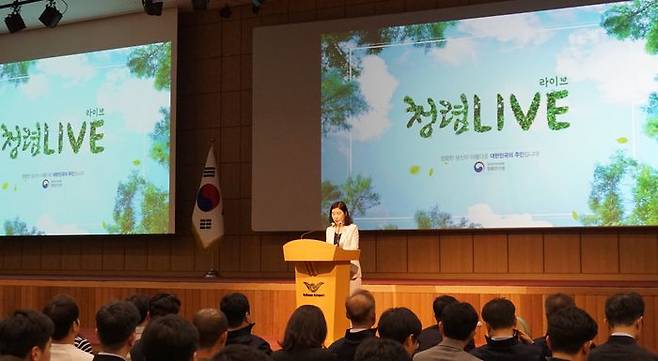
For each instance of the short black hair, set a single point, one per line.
(622, 309)
(440, 303)
(169, 338)
(163, 304)
(360, 313)
(569, 328)
(115, 323)
(557, 301)
(63, 311)
(211, 324)
(459, 321)
(240, 353)
(398, 323)
(23, 330)
(140, 301)
(381, 349)
(306, 329)
(235, 306)
(499, 313)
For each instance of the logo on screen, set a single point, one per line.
(45, 183)
(478, 167)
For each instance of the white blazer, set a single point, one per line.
(349, 239)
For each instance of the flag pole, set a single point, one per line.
(212, 272)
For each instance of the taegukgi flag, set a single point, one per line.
(208, 215)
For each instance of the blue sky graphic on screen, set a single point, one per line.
(84, 143)
(541, 119)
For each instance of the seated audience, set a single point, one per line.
(552, 304)
(169, 338)
(65, 314)
(212, 327)
(83, 344)
(381, 349)
(115, 327)
(431, 336)
(570, 333)
(360, 309)
(503, 340)
(402, 325)
(160, 305)
(240, 353)
(457, 325)
(236, 309)
(304, 337)
(25, 336)
(623, 313)
(142, 304)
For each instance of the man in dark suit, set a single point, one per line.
(402, 325)
(431, 336)
(553, 303)
(25, 336)
(115, 326)
(160, 305)
(360, 309)
(169, 338)
(623, 313)
(236, 309)
(504, 342)
(570, 333)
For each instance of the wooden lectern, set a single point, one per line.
(322, 278)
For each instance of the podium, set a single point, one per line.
(322, 279)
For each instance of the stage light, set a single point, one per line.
(152, 7)
(50, 16)
(200, 5)
(225, 12)
(14, 21)
(255, 5)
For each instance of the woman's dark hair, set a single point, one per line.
(343, 207)
(306, 329)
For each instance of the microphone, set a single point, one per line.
(307, 233)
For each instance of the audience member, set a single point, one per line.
(240, 353)
(381, 349)
(570, 333)
(25, 336)
(115, 327)
(83, 344)
(552, 304)
(65, 314)
(503, 341)
(431, 336)
(402, 325)
(161, 304)
(304, 337)
(236, 309)
(623, 313)
(212, 327)
(169, 338)
(457, 325)
(360, 310)
(141, 301)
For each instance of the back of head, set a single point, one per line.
(623, 309)
(240, 353)
(115, 324)
(440, 303)
(398, 323)
(235, 307)
(211, 324)
(142, 304)
(381, 349)
(459, 321)
(306, 329)
(63, 311)
(360, 308)
(22, 331)
(499, 313)
(569, 328)
(557, 301)
(163, 304)
(169, 338)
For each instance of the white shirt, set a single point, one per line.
(68, 352)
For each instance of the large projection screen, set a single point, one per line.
(87, 127)
(514, 115)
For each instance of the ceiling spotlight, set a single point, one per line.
(255, 5)
(50, 16)
(200, 5)
(152, 7)
(225, 12)
(14, 21)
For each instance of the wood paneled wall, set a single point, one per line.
(272, 303)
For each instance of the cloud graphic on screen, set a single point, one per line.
(36, 86)
(73, 69)
(483, 214)
(377, 86)
(622, 70)
(135, 100)
(455, 52)
(49, 226)
(518, 29)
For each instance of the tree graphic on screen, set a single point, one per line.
(434, 218)
(357, 193)
(17, 73)
(16, 227)
(152, 61)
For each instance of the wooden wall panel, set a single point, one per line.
(490, 253)
(600, 253)
(562, 253)
(526, 253)
(456, 253)
(392, 253)
(638, 253)
(424, 254)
